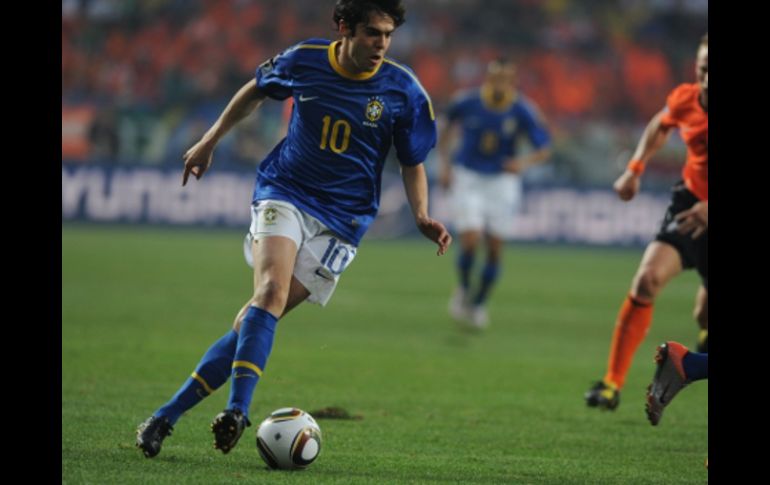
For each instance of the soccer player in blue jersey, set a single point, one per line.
(484, 178)
(316, 193)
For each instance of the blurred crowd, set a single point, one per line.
(142, 79)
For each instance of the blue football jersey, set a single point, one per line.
(341, 129)
(489, 132)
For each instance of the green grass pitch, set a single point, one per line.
(140, 306)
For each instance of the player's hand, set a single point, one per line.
(514, 165)
(436, 232)
(627, 185)
(694, 220)
(197, 160)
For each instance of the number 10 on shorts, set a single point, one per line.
(337, 256)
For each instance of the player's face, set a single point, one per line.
(501, 77)
(702, 69)
(370, 41)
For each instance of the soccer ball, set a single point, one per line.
(289, 439)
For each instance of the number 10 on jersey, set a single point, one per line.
(333, 142)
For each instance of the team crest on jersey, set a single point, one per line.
(509, 126)
(270, 214)
(374, 109)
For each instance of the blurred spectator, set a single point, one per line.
(75, 121)
(103, 137)
(602, 63)
(647, 79)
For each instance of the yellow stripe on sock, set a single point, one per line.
(203, 382)
(248, 365)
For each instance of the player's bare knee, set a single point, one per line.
(239, 318)
(647, 283)
(494, 255)
(272, 295)
(237, 323)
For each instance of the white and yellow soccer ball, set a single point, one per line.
(289, 439)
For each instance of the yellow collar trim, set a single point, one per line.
(345, 73)
(489, 103)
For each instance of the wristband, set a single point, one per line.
(636, 166)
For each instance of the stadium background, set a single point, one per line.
(142, 80)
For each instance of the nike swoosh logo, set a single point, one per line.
(319, 273)
(302, 98)
(243, 375)
(663, 399)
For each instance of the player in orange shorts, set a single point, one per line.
(681, 243)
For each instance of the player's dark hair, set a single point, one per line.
(704, 41)
(354, 12)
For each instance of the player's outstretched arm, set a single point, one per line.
(198, 158)
(654, 137)
(416, 185)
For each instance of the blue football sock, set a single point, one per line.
(212, 371)
(488, 277)
(696, 366)
(464, 266)
(254, 344)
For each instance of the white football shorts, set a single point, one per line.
(321, 255)
(485, 202)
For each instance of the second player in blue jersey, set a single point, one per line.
(483, 175)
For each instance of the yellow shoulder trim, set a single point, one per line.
(312, 46)
(427, 96)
